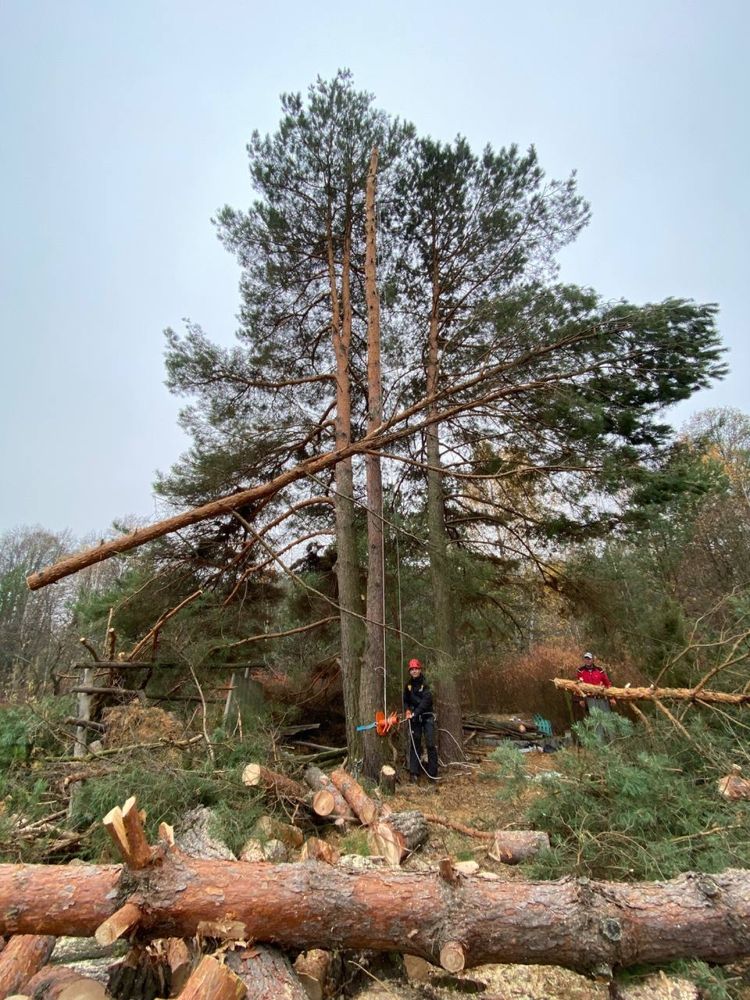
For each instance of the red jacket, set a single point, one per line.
(593, 675)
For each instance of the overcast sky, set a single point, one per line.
(123, 128)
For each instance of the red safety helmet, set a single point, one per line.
(415, 664)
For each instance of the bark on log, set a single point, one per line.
(697, 694)
(213, 981)
(361, 804)
(257, 776)
(574, 923)
(319, 973)
(58, 982)
(266, 974)
(21, 957)
(397, 835)
(332, 803)
(513, 846)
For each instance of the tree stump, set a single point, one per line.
(398, 835)
(387, 780)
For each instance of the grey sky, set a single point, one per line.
(123, 127)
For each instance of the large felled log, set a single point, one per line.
(58, 982)
(361, 804)
(327, 800)
(575, 923)
(655, 694)
(398, 835)
(282, 787)
(21, 957)
(266, 974)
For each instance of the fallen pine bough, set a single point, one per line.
(455, 922)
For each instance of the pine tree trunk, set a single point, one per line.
(346, 557)
(372, 682)
(448, 704)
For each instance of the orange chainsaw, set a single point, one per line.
(383, 723)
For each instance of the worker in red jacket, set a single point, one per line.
(590, 672)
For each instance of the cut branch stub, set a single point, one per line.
(125, 828)
(120, 923)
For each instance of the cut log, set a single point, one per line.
(398, 835)
(268, 828)
(513, 846)
(361, 804)
(213, 981)
(387, 780)
(59, 982)
(22, 956)
(453, 956)
(266, 974)
(327, 800)
(573, 923)
(734, 786)
(315, 849)
(319, 972)
(282, 787)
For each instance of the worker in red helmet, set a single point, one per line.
(419, 708)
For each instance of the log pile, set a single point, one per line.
(492, 730)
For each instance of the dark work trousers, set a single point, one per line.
(425, 724)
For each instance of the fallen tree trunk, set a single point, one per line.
(575, 923)
(21, 957)
(655, 694)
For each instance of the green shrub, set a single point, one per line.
(627, 807)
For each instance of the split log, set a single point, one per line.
(59, 982)
(511, 847)
(282, 787)
(361, 804)
(397, 835)
(177, 958)
(319, 972)
(696, 694)
(21, 957)
(269, 828)
(142, 975)
(213, 981)
(327, 800)
(266, 974)
(573, 923)
(315, 849)
(387, 780)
